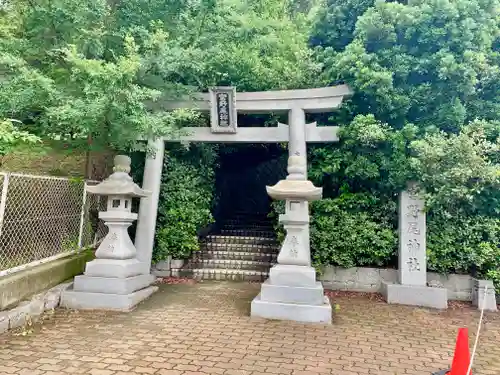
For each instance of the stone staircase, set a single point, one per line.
(244, 248)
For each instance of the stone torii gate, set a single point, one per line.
(224, 103)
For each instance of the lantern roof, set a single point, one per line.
(119, 182)
(296, 185)
(294, 189)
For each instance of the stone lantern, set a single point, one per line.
(115, 280)
(292, 292)
(297, 192)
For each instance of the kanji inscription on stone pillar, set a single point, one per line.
(412, 246)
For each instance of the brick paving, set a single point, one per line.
(205, 329)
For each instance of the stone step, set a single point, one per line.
(241, 240)
(221, 274)
(248, 216)
(230, 264)
(246, 226)
(248, 220)
(248, 233)
(260, 248)
(239, 255)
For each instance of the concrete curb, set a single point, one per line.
(31, 310)
(370, 280)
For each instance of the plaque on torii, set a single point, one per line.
(223, 114)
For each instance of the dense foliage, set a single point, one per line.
(87, 72)
(93, 74)
(365, 172)
(426, 108)
(361, 177)
(58, 81)
(186, 199)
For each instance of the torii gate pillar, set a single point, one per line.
(148, 209)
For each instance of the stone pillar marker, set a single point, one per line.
(412, 288)
(115, 280)
(292, 292)
(412, 245)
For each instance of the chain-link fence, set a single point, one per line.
(43, 218)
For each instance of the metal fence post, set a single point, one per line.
(82, 216)
(3, 198)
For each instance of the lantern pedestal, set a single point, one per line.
(78, 300)
(292, 292)
(116, 279)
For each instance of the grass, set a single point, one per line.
(44, 160)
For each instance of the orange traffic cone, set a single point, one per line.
(461, 359)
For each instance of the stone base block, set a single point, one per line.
(72, 299)
(290, 311)
(163, 265)
(292, 294)
(415, 295)
(112, 285)
(114, 268)
(161, 273)
(481, 299)
(288, 275)
(19, 315)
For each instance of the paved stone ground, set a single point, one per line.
(205, 329)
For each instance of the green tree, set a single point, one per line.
(79, 70)
(55, 83)
(431, 63)
(186, 198)
(335, 23)
(251, 45)
(460, 173)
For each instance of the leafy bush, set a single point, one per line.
(186, 197)
(356, 222)
(348, 239)
(460, 172)
(344, 237)
(463, 244)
